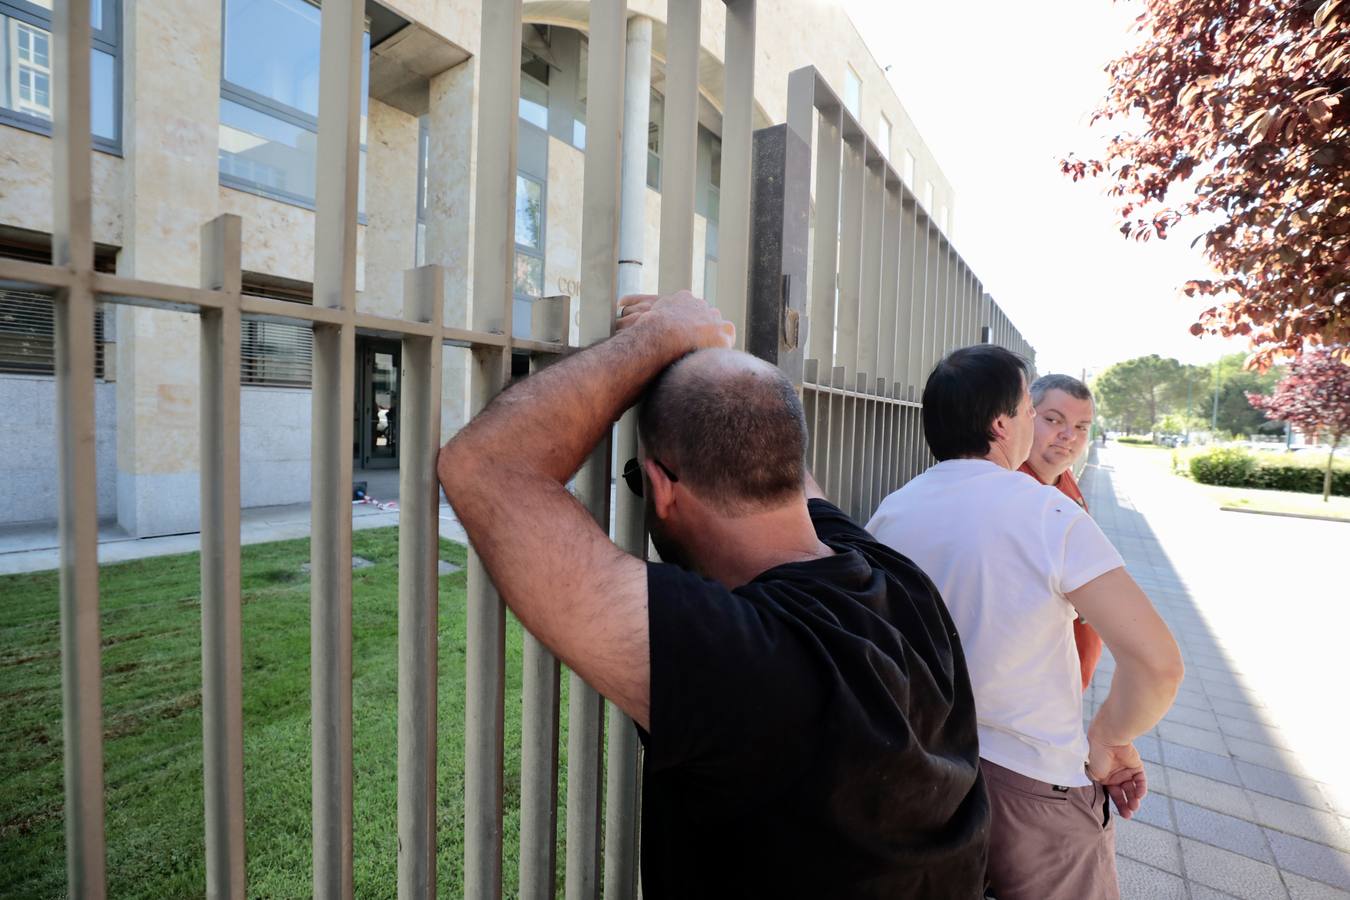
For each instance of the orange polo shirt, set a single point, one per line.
(1089, 643)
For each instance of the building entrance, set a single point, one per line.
(377, 403)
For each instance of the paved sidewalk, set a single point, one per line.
(1236, 807)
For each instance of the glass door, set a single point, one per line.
(378, 403)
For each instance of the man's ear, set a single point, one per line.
(1001, 428)
(662, 489)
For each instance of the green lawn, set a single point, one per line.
(151, 629)
(1254, 499)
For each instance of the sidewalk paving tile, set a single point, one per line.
(1216, 795)
(1301, 888)
(1282, 784)
(1303, 821)
(1231, 872)
(1154, 809)
(1260, 732)
(1200, 892)
(1200, 762)
(1195, 718)
(1142, 882)
(1264, 755)
(1149, 844)
(1313, 860)
(1190, 736)
(1220, 830)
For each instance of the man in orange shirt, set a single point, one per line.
(1064, 415)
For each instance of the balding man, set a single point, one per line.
(803, 699)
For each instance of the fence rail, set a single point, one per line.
(877, 295)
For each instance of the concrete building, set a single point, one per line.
(204, 107)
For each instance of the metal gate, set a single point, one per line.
(904, 297)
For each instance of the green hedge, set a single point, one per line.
(1130, 439)
(1232, 467)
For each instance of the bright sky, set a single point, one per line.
(1001, 92)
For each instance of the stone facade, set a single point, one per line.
(151, 201)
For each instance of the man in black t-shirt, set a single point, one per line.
(800, 688)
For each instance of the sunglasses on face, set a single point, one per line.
(632, 474)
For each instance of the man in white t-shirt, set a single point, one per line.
(1015, 562)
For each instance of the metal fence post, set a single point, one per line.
(222, 639)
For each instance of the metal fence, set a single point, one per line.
(858, 297)
(904, 297)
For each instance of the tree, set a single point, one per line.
(1232, 413)
(1315, 398)
(1134, 394)
(1242, 111)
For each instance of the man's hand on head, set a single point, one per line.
(681, 315)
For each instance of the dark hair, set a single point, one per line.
(735, 435)
(966, 391)
(1066, 383)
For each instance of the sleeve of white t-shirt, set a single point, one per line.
(1087, 554)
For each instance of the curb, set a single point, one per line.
(1284, 515)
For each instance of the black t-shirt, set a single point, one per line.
(812, 733)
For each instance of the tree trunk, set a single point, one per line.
(1331, 458)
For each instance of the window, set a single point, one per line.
(884, 136)
(655, 119)
(579, 120)
(907, 173)
(533, 89)
(276, 354)
(529, 277)
(423, 186)
(26, 69)
(269, 99)
(852, 92)
(27, 320)
(928, 197)
(942, 220)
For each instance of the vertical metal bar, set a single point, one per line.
(810, 398)
(869, 303)
(918, 344)
(680, 135)
(495, 212)
(824, 272)
(222, 643)
(850, 254)
(933, 298)
(73, 334)
(834, 486)
(623, 758)
(890, 303)
(733, 229)
(599, 271)
(336, 201)
(418, 551)
(538, 771)
(905, 370)
(862, 406)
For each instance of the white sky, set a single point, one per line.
(1000, 92)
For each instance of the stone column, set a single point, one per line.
(170, 137)
(449, 215)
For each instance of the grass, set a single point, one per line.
(151, 629)
(1254, 499)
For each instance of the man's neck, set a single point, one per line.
(1046, 476)
(736, 550)
(999, 456)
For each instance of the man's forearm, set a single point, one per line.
(549, 422)
(1137, 700)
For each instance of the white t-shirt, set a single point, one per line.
(1003, 551)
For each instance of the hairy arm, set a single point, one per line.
(504, 474)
